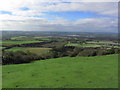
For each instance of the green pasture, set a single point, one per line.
(66, 72)
(2, 47)
(35, 50)
(102, 42)
(9, 43)
(24, 38)
(19, 37)
(90, 45)
(41, 38)
(83, 45)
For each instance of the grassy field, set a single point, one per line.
(90, 45)
(9, 43)
(66, 72)
(102, 42)
(83, 45)
(2, 47)
(22, 38)
(41, 38)
(38, 37)
(19, 42)
(0, 77)
(35, 50)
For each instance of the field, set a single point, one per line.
(35, 50)
(22, 38)
(84, 45)
(102, 42)
(66, 72)
(41, 38)
(2, 47)
(19, 42)
(93, 44)
(9, 43)
(29, 38)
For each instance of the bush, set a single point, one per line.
(58, 51)
(76, 51)
(88, 53)
(18, 57)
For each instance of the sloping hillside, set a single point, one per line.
(66, 72)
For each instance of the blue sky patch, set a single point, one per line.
(24, 9)
(74, 15)
(5, 12)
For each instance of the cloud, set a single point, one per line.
(61, 24)
(29, 15)
(109, 8)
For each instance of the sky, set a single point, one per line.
(59, 15)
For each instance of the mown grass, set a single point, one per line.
(36, 50)
(66, 72)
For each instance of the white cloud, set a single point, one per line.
(23, 20)
(37, 6)
(86, 25)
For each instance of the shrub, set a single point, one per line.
(18, 57)
(88, 52)
(76, 51)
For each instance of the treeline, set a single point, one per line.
(18, 57)
(80, 51)
(57, 51)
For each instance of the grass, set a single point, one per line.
(90, 45)
(41, 38)
(2, 47)
(35, 50)
(17, 38)
(19, 42)
(0, 77)
(9, 43)
(83, 45)
(66, 72)
(102, 42)
(29, 38)
(38, 37)
(45, 39)
(22, 38)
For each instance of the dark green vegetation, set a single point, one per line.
(66, 72)
(26, 55)
(18, 57)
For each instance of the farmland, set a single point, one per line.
(59, 60)
(35, 50)
(18, 42)
(66, 72)
(59, 44)
(84, 45)
(95, 44)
